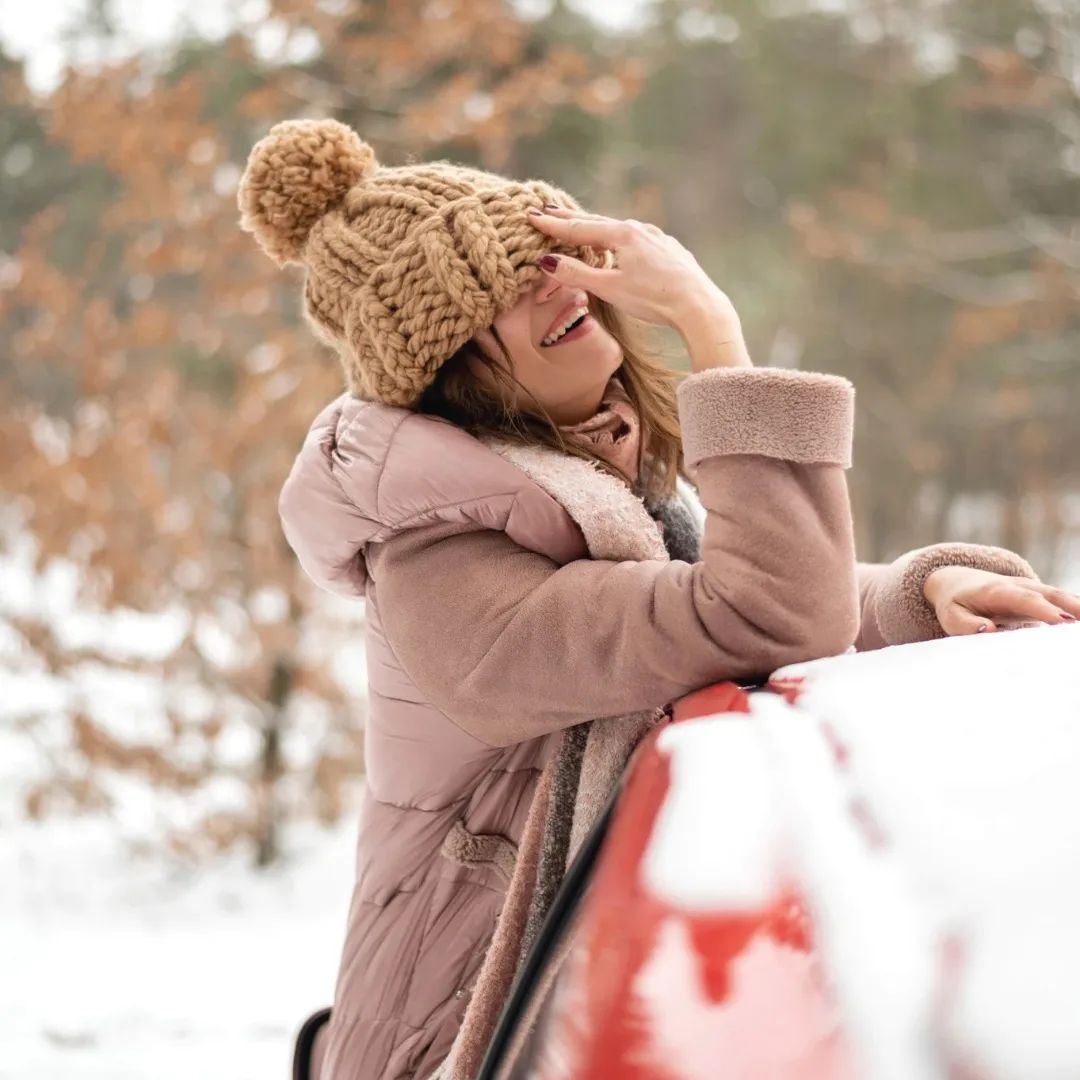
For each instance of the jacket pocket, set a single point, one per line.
(475, 850)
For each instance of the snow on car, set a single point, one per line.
(869, 868)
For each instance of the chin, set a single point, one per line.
(598, 356)
(614, 362)
(597, 372)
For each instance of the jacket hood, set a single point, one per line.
(368, 472)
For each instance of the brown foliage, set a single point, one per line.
(160, 379)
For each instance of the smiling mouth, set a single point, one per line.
(571, 331)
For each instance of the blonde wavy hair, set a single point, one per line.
(459, 396)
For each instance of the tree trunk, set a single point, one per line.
(267, 846)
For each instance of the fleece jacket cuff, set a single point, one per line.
(902, 611)
(798, 416)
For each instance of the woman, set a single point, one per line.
(503, 484)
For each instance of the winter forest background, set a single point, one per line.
(888, 189)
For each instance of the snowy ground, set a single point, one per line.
(120, 970)
(138, 969)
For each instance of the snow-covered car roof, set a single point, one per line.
(925, 802)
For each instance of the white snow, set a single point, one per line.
(770, 982)
(117, 969)
(925, 800)
(878, 948)
(719, 774)
(966, 753)
(763, 807)
(116, 966)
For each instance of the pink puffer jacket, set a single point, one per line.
(489, 630)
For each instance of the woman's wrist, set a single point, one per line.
(711, 330)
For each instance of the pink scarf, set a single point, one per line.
(613, 433)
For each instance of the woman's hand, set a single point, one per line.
(968, 601)
(655, 279)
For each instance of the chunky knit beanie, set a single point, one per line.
(404, 264)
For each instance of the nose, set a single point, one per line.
(546, 287)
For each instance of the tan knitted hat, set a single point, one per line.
(404, 264)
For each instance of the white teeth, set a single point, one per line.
(573, 317)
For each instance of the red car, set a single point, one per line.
(868, 868)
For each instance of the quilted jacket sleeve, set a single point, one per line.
(511, 645)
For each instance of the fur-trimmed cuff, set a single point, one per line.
(776, 412)
(902, 611)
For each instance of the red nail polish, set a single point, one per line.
(1067, 617)
(549, 263)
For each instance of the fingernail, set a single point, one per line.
(551, 206)
(1066, 617)
(549, 263)
(982, 629)
(533, 212)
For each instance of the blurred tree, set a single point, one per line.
(160, 380)
(888, 191)
(948, 247)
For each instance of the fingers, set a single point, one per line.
(1021, 601)
(957, 620)
(567, 270)
(577, 228)
(1068, 602)
(566, 213)
(1009, 605)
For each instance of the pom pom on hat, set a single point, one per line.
(295, 175)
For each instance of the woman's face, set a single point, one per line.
(567, 374)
